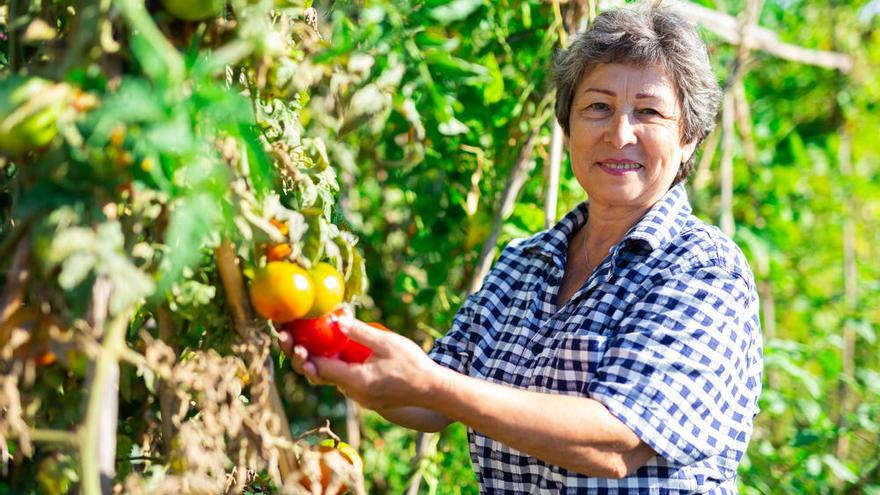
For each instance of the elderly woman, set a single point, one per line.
(620, 350)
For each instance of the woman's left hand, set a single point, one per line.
(398, 374)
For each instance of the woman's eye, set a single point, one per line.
(649, 111)
(598, 106)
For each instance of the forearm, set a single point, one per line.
(576, 433)
(416, 418)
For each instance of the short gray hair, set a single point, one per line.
(651, 36)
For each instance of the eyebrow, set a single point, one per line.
(639, 96)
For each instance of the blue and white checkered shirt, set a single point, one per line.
(665, 333)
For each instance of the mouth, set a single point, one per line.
(619, 166)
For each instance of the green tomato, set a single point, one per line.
(194, 10)
(33, 131)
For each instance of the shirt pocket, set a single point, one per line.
(568, 365)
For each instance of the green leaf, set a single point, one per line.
(173, 136)
(193, 221)
(150, 60)
(810, 381)
(454, 66)
(455, 10)
(494, 90)
(839, 468)
(75, 269)
(865, 330)
(256, 162)
(356, 283)
(316, 235)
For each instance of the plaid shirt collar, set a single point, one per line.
(656, 228)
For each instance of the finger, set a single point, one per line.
(310, 371)
(377, 340)
(336, 371)
(298, 358)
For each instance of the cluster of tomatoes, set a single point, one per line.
(306, 306)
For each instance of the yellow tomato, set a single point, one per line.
(329, 289)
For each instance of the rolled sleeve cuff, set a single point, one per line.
(648, 422)
(448, 357)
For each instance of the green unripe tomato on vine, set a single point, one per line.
(194, 10)
(23, 129)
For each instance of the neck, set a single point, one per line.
(608, 224)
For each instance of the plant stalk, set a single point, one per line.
(98, 435)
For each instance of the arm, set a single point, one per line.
(416, 418)
(576, 433)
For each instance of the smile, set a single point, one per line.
(619, 168)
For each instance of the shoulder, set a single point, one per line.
(524, 251)
(695, 255)
(710, 247)
(703, 247)
(515, 259)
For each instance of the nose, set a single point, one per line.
(620, 131)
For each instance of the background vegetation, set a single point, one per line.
(422, 112)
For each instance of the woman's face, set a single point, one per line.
(625, 143)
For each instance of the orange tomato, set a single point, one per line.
(282, 291)
(278, 252)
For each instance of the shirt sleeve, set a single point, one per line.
(454, 350)
(679, 369)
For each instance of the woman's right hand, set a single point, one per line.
(415, 418)
(300, 360)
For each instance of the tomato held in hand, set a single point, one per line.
(320, 336)
(23, 132)
(355, 352)
(329, 289)
(282, 291)
(194, 10)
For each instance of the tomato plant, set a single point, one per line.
(146, 163)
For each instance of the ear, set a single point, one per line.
(687, 150)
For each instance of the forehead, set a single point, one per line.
(628, 80)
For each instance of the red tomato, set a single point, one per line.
(355, 352)
(320, 336)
